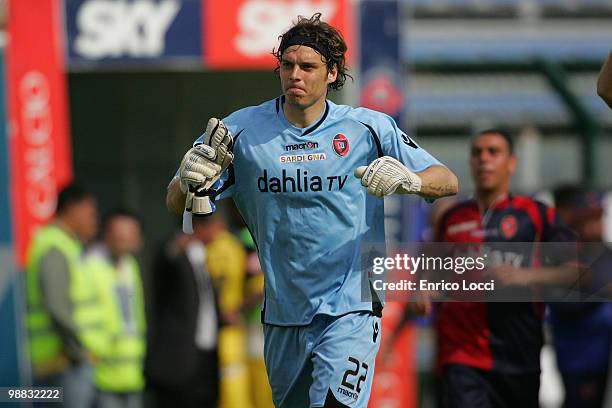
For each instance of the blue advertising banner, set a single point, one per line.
(11, 301)
(381, 73)
(136, 32)
(381, 78)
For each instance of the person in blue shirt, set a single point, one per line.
(582, 331)
(308, 176)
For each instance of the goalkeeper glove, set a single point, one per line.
(219, 138)
(203, 164)
(385, 175)
(198, 168)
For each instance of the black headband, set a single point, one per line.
(308, 42)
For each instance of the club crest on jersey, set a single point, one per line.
(341, 145)
(508, 226)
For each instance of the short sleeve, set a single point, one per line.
(396, 143)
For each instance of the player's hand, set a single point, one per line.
(198, 168)
(204, 163)
(220, 140)
(385, 175)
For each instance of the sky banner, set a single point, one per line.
(240, 34)
(177, 34)
(124, 33)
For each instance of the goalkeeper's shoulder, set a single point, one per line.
(375, 120)
(250, 116)
(360, 113)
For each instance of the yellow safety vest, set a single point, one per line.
(121, 363)
(46, 348)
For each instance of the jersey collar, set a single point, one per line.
(497, 204)
(300, 131)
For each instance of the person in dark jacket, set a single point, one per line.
(182, 367)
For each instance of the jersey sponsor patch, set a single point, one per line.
(298, 158)
(341, 145)
(300, 181)
(301, 146)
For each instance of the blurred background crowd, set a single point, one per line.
(111, 93)
(201, 341)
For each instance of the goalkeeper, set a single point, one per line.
(307, 176)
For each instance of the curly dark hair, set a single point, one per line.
(323, 38)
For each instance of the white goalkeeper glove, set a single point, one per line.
(219, 138)
(198, 168)
(203, 164)
(385, 175)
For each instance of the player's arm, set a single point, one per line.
(436, 182)
(604, 83)
(175, 198)
(386, 175)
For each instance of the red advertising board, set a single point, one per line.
(38, 115)
(395, 380)
(240, 34)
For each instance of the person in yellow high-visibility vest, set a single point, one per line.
(226, 263)
(118, 375)
(63, 318)
(260, 386)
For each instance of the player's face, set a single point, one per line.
(491, 162)
(304, 76)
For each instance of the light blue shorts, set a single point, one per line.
(329, 363)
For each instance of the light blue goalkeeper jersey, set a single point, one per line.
(306, 211)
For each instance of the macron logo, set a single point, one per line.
(301, 146)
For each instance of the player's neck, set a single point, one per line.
(488, 198)
(303, 117)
